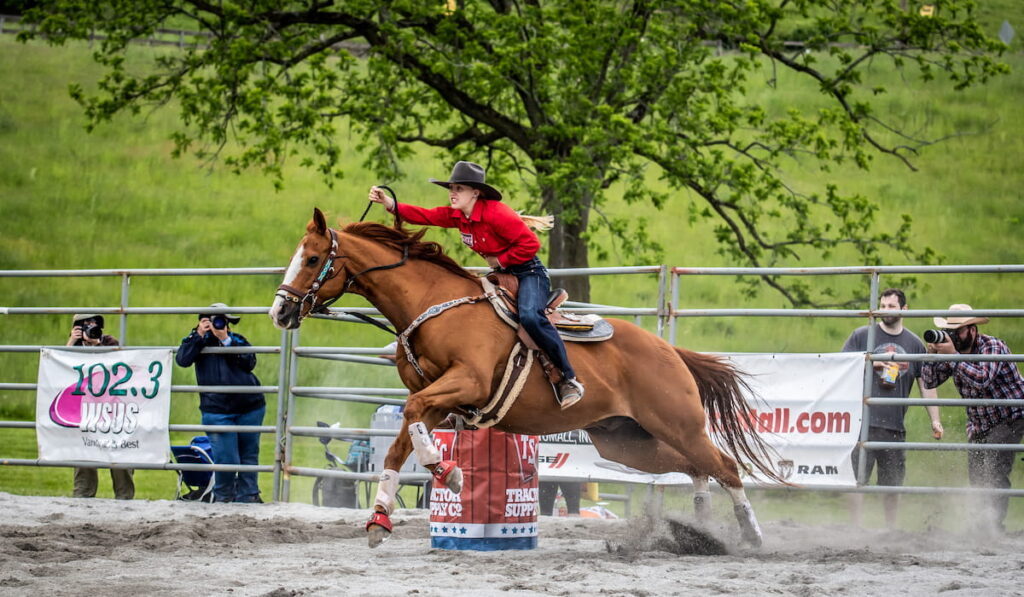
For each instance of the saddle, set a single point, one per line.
(571, 327)
(501, 291)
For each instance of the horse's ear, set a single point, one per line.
(319, 222)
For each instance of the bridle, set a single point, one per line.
(329, 272)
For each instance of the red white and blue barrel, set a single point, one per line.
(497, 508)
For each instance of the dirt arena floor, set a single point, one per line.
(62, 546)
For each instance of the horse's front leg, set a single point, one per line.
(423, 411)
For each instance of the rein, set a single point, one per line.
(294, 295)
(328, 272)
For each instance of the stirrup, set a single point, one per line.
(574, 395)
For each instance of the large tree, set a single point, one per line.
(565, 98)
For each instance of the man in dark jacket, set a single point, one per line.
(227, 409)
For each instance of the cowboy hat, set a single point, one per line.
(231, 318)
(83, 316)
(470, 174)
(954, 323)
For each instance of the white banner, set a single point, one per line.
(808, 410)
(105, 407)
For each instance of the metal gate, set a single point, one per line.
(666, 313)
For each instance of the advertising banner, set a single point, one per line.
(108, 407)
(497, 508)
(807, 407)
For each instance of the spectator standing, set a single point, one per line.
(227, 409)
(548, 490)
(890, 380)
(87, 330)
(985, 424)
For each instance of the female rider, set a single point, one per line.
(500, 236)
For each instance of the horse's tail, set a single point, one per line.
(720, 385)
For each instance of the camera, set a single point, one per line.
(91, 331)
(935, 336)
(219, 322)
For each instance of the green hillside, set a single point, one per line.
(115, 198)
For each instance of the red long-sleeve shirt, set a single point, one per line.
(492, 230)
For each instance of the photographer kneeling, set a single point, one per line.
(87, 330)
(227, 409)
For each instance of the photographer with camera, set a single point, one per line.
(891, 379)
(985, 424)
(87, 330)
(226, 409)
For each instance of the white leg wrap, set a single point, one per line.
(386, 490)
(749, 529)
(426, 452)
(738, 496)
(701, 499)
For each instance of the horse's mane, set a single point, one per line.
(398, 238)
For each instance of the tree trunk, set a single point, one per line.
(568, 248)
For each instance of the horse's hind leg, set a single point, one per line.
(698, 458)
(711, 460)
(749, 529)
(728, 476)
(701, 499)
(644, 452)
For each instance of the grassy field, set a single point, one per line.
(115, 199)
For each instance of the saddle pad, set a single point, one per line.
(602, 330)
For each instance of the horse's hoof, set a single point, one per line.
(454, 480)
(378, 528)
(448, 473)
(377, 534)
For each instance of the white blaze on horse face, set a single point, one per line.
(289, 276)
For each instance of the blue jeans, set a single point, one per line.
(235, 448)
(534, 288)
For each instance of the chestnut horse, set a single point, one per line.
(646, 406)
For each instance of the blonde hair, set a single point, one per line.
(538, 223)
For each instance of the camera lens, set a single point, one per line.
(92, 331)
(934, 336)
(219, 322)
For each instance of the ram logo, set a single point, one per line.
(817, 469)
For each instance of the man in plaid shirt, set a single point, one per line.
(985, 424)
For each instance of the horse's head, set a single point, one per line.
(312, 276)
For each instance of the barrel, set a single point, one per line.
(497, 508)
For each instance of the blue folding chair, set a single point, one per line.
(199, 484)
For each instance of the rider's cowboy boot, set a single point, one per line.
(569, 392)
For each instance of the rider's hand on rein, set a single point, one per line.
(377, 195)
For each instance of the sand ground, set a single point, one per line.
(63, 546)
